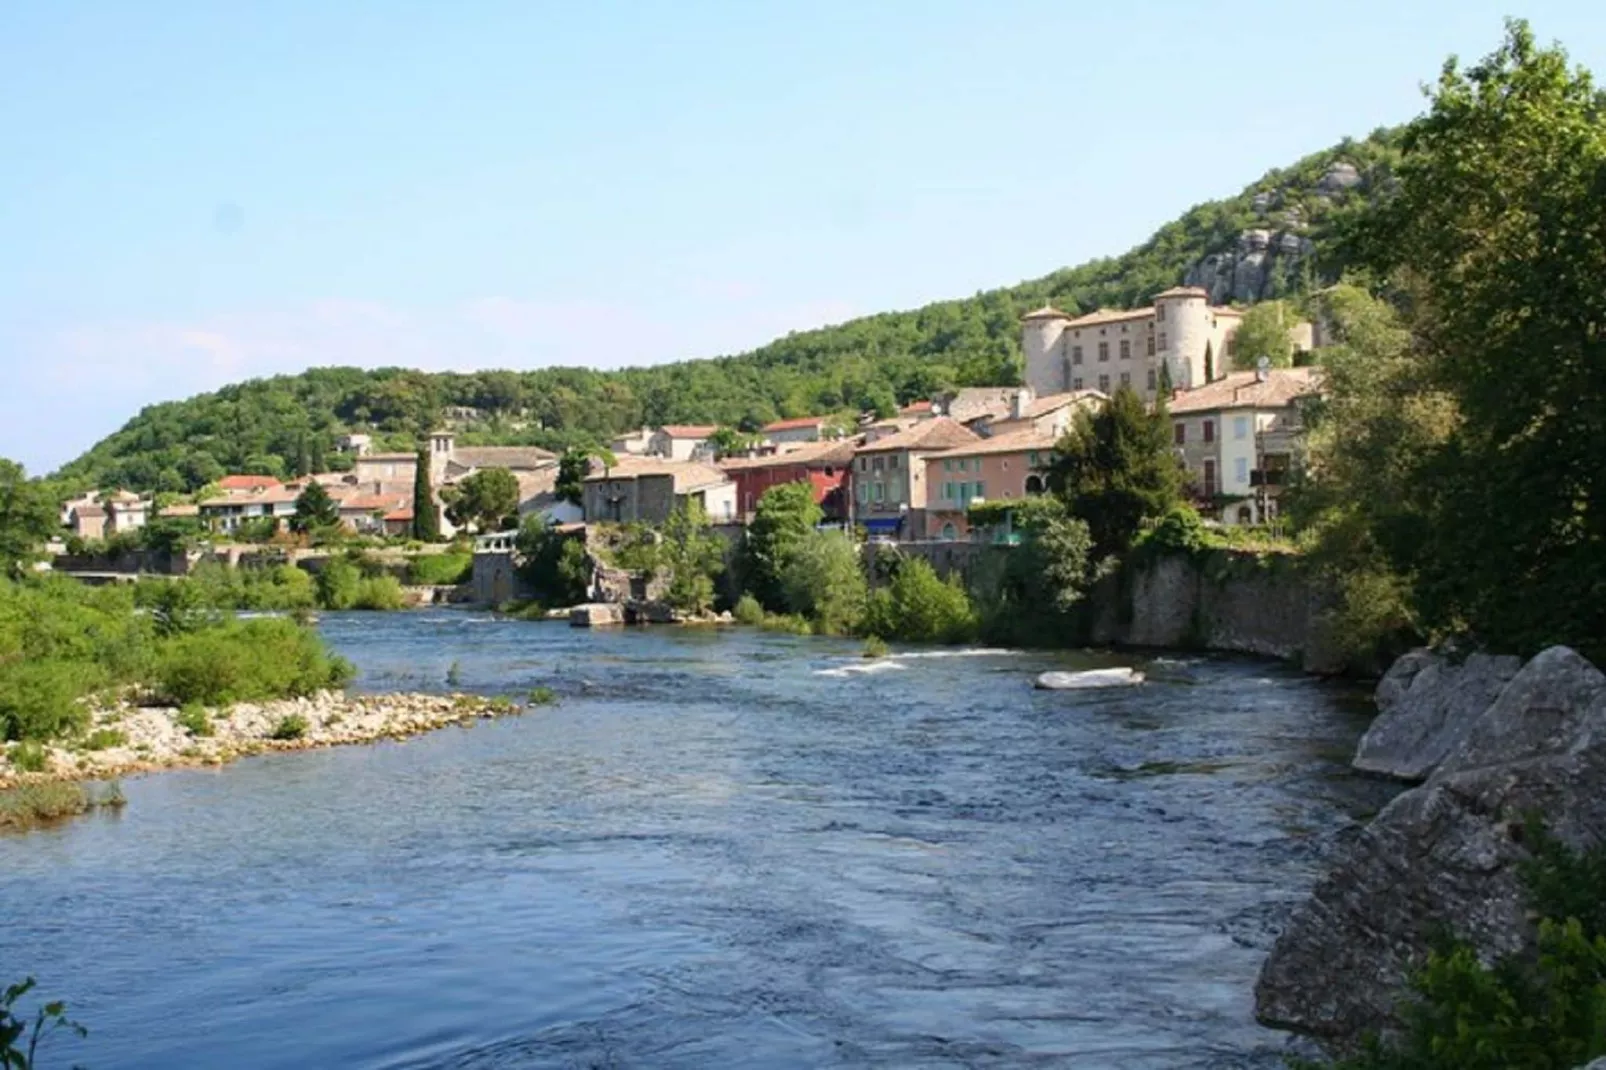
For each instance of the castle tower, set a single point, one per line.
(1181, 333)
(441, 446)
(1046, 369)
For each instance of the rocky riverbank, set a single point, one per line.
(128, 739)
(1493, 742)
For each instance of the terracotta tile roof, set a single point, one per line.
(689, 430)
(1054, 402)
(1183, 291)
(915, 408)
(688, 475)
(1047, 312)
(403, 513)
(1017, 442)
(796, 423)
(513, 457)
(811, 455)
(940, 433)
(238, 482)
(88, 510)
(369, 503)
(181, 510)
(392, 457)
(535, 484)
(1241, 390)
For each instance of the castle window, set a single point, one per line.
(1159, 312)
(1126, 378)
(1123, 329)
(1126, 349)
(1076, 384)
(1152, 383)
(1210, 430)
(1104, 383)
(1104, 352)
(1076, 354)
(1162, 339)
(1151, 345)
(1179, 433)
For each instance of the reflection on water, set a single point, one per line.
(720, 849)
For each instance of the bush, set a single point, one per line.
(919, 607)
(104, 739)
(39, 699)
(29, 756)
(31, 804)
(338, 584)
(823, 580)
(542, 696)
(379, 593)
(194, 719)
(245, 661)
(876, 647)
(1181, 529)
(290, 726)
(748, 611)
(440, 570)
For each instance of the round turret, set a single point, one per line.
(1041, 331)
(1182, 334)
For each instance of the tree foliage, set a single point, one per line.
(919, 606)
(315, 510)
(1027, 595)
(426, 514)
(1115, 469)
(785, 516)
(485, 499)
(694, 555)
(1264, 333)
(553, 564)
(823, 581)
(28, 517)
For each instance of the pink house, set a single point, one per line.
(1005, 468)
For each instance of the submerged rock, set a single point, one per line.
(1445, 857)
(1426, 705)
(1076, 681)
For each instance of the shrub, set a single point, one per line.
(440, 570)
(31, 804)
(244, 661)
(194, 719)
(454, 674)
(748, 611)
(876, 647)
(379, 593)
(39, 699)
(104, 739)
(542, 696)
(290, 726)
(823, 580)
(920, 607)
(1181, 529)
(338, 584)
(29, 756)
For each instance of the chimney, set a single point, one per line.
(1023, 401)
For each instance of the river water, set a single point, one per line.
(722, 849)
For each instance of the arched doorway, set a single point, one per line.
(949, 532)
(1246, 515)
(1035, 484)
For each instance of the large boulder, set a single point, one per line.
(1445, 857)
(1553, 706)
(1426, 705)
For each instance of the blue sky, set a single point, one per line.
(196, 193)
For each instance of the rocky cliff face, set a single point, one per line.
(1268, 260)
(1496, 745)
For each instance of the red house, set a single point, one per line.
(826, 466)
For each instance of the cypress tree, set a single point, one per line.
(426, 518)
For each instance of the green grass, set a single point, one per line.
(440, 570)
(542, 696)
(35, 804)
(29, 756)
(194, 719)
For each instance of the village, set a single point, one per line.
(914, 478)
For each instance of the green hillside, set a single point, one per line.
(289, 424)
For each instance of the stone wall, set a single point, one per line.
(496, 578)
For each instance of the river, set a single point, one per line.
(721, 849)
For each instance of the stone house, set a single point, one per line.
(1046, 416)
(648, 489)
(889, 476)
(1003, 468)
(681, 442)
(796, 430)
(1238, 439)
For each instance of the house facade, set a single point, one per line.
(1050, 415)
(799, 430)
(681, 442)
(647, 490)
(889, 489)
(1238, 439)
(1003, 468)
(826, 466)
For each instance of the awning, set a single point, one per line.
(882, 524)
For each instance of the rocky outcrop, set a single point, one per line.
(597, 615)
(1445, 857)
(1426, 705)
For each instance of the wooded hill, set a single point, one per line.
(289, 424)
